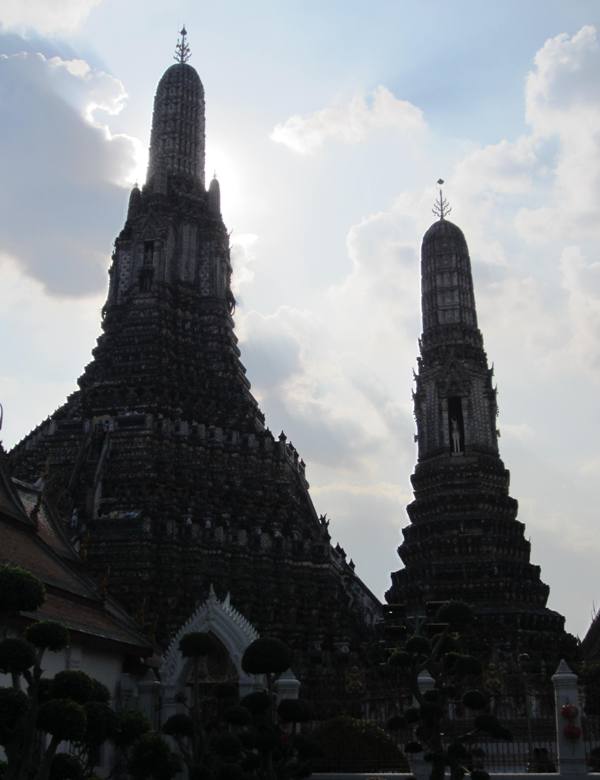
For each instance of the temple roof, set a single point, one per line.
(33, 539)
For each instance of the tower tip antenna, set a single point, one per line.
(182, 50)
(441, 207)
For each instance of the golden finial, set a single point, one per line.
(182, 50)
(441, 207)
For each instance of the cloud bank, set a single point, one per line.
(65, 169)
(48, 17)
(530, 210)
(349, 122)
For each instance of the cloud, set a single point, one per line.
(538, 293)
(37, 373)
(48, 17)
(242, 258)
(349, 122)
(563, 101)
(581, 281)
(65, 169)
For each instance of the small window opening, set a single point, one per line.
(148, 252)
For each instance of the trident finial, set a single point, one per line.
(182, 50)
(441, 207)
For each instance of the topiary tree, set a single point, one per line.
(451, 671)
(71, 707)
(250, 742)
(152, 759)
(345, 743)
(20, 591)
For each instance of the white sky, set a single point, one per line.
(328, 125)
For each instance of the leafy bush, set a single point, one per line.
(400, 659)
(72, 684)
(152, 759)
(66, 767)
(131, 726)
(13, 704)
(294, 711)
(47, 634)
(237, 715)
(343, 741)
(266, 656)
(20, 591)
(226, 746)
(102, 722)
(178, 725)
(63, 719)
(16, 655)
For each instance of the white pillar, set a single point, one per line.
(287, 686)
(149, 700)
(571, 751)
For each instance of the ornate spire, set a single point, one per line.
(177, 138)
(441, 207)
(182, 50)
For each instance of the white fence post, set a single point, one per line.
(569, 732)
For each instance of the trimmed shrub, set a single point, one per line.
(237, 715)
(13, 704)
(294, 711)
(152, 759)
(178, 725)
(100, 692)
(16, 656)
(226, 746)
(72, 684)
(400, 659)
(266, 656)
(343, 741)
(102, 722)
(256, 702)
(131, 726)
(412, 714)
(66, 767)
(48, 635)
(396, 723)
(20, 591)
(63, 718)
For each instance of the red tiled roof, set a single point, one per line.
(42, 549)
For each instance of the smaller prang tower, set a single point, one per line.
(464, 541)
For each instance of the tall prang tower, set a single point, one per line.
(464, 541)
(161, 458)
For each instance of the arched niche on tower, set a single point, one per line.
(232, 632)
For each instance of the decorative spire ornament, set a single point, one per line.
(441, 207)
(182, 50)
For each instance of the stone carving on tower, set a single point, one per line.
(162, 454)
(464, 541)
